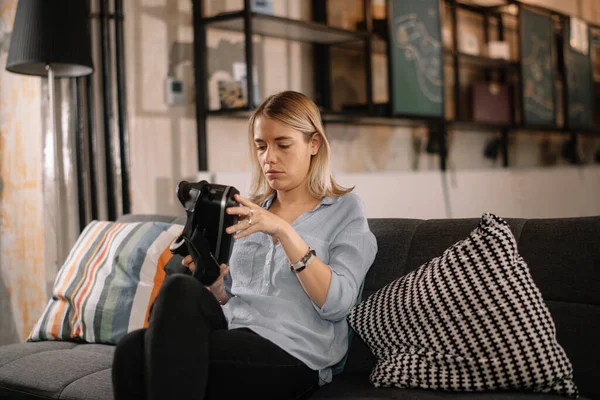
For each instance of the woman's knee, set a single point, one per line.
(175, 287)
(180, 293)
(178, 284)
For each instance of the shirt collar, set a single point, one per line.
(269, 200)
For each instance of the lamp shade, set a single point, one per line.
(54, 32)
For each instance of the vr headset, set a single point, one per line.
(204, 236)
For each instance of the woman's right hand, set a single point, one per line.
(188, 263)
(217, 288)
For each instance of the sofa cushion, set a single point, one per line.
(56, 370)
(95, 386)
(562, 255)
(108, 282)
(358, 387)
(469, 320)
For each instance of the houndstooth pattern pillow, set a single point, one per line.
(470, 320)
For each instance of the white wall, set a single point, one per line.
(518, 193)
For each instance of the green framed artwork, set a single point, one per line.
(537, 69)
(579, 75)
(416, 58)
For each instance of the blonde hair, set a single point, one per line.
(296, 111)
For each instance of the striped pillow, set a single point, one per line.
(107, 284)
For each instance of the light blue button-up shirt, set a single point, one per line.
(269, 299)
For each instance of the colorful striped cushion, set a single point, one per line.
(107, 284)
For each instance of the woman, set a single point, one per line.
(274, 324)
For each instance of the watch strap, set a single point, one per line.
(304, 261)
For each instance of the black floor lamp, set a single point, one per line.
(52, 39)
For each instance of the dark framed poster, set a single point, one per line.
(537, 69)
(579, 74)
(416, 58)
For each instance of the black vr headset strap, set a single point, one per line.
(205, 262)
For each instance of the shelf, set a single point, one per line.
(242, 112)
(487, 62)
(483, 126)
(378, 45)
(361, 118)
(333, 117)
(477, 126)
(284, 28)
(380, 40)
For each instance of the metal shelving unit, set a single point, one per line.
(322, 36)
(285, 28)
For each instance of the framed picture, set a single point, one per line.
(231, 94)
(579, 74)
(537, 60)
(595, 45)
(596, 61)
(416, 63)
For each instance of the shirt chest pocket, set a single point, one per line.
(321, 247)
(245, 260)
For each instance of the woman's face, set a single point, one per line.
(283, 153)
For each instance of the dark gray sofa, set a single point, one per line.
(563, 255)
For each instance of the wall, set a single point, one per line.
(162, 139)
(22, 268)
(554, 192)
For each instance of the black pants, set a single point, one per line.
(188, 352)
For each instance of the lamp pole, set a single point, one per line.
(58, 215)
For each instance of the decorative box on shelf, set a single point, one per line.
(263, 6)
(231, 94)
(491, 102)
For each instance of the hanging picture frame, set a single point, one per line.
(415, 57)
(537, 69)
(579, 75)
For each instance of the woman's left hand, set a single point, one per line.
(253, 218)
